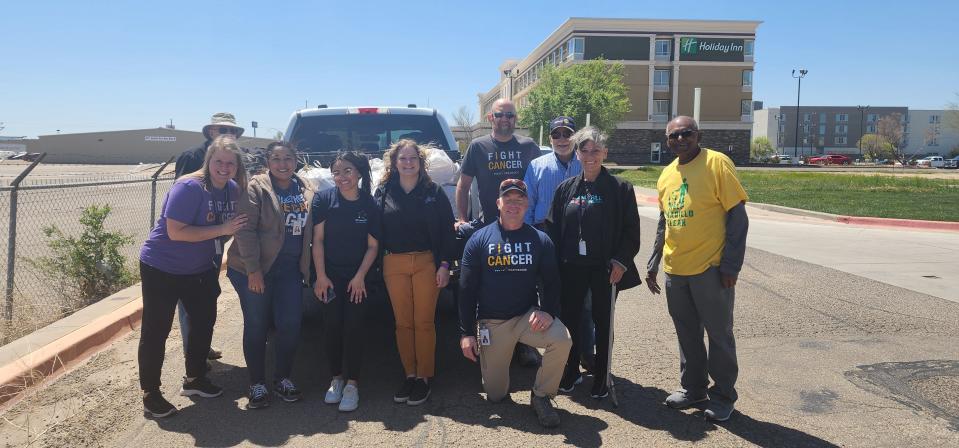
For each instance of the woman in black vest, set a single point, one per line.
(594, 224)
(418, 243)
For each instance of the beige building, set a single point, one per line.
(121, 147)
(665, 61)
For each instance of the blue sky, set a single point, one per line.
(106, 65)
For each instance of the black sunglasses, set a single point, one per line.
(685, 133)
(226, 130)
(503, 114)
(560, 134)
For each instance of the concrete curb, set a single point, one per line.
(947, 226)
(46, 354)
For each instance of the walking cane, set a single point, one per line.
(609, 360)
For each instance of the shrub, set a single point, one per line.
(89, 267)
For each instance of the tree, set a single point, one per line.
(464, 118)
(761, 149)
(595, 87)
(891, 129)
(876, 147)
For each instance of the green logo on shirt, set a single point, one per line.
(676, 212)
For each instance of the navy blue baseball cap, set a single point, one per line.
(562, 122)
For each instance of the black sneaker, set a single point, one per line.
(200, 386)
(259, 397)
(287, 390)
(421, 391)
(600, 390)
(155, 405)
(405, 390)
(214, 354)
(569, 382)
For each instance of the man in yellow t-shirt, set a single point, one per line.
(701, 239)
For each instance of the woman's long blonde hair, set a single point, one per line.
(221, 143)
(392, 153)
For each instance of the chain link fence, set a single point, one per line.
(32, 298)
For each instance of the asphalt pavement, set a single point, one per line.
(827, 358)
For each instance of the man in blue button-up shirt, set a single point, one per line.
(547, 171)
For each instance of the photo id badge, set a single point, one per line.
(582, 247)
(297, 230)
(218, 245)
(484, 336)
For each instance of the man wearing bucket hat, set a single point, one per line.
(222, 123)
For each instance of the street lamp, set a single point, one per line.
(862, 112)
(509, 84)
(802, 73)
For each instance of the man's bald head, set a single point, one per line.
(682, 122)
(504, 105)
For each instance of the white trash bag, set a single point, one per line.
(321, 178)
(441, 168)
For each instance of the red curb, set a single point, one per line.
(647, 199)
(894, 222)
(52, 360)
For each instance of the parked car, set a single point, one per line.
(952, 163)
(830, 159)
(930, 162)
(782, 159)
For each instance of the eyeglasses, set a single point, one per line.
(226, 130)
(503, 114)
(560, 134)
(685, 133)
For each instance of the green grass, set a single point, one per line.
(881, 196)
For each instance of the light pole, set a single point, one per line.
(802, 73)
(862, 113)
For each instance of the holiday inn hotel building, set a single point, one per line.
(665, 61)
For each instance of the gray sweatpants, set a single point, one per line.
(696, 302)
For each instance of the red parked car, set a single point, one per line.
(830, 159)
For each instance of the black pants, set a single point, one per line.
(576, 281)
(161, 292)
(344, 331)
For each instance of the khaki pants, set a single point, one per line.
(504, 334)
(411, 282)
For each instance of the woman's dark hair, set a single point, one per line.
(282, 145)
(361, 162)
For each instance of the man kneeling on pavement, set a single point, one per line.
(500, 306)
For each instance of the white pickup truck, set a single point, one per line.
(931, 162)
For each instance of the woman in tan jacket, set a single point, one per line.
(268, 263)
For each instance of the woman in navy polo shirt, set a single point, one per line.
(346, 224)
(179, 262)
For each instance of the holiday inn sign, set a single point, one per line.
(709, 49)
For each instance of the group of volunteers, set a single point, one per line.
(541, 268)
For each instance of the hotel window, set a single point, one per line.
(870, 129)
(565, 52)
(822, 117)
(806, 117)
(933, 119)
(661, 109)
(842, 117)
(842, 128)
(934, 141)
(663, 49)
(822, 141)
(748, 48)
(661, 80)
(576, 45)
(872, 117)
(746, 106)
(747, 80)
(822, 129)
(840, 140)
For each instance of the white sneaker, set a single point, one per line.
(350, 398)
(335, 393)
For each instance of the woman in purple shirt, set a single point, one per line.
(179, 262)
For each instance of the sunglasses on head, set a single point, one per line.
(560, 134)
(685, 133)
(503, 114)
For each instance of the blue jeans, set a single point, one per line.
(279, 305)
